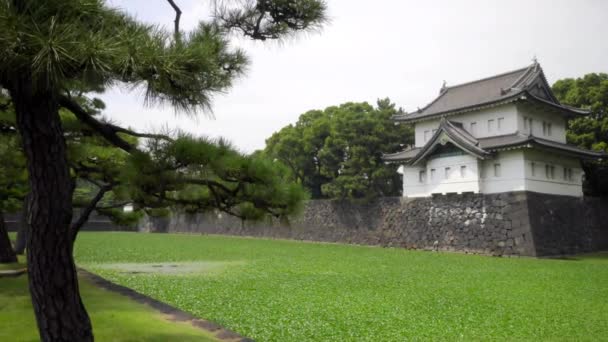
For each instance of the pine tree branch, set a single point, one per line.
(178, 15)
(86, 213)
(106, 130)
(103, 129)
(6, 129)
(113, 206)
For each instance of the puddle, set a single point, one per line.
(170, 268)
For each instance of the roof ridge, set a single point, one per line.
(524, 77)
(420, 110)
(460, 110)
(487, 78)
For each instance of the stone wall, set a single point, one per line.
(515, 223)
(95, 223)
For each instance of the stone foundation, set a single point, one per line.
(510, 224)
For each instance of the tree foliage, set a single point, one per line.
(54, 50)
(591, 132)
(337, 152)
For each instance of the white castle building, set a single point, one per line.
(498, 134)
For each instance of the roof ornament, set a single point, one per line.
(443, 87)
(419, 110)
(535, 62)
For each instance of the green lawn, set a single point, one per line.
(292, 291)
(114, 317)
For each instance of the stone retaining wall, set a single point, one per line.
(516, 223)
(95, 223)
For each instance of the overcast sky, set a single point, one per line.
(374, 49)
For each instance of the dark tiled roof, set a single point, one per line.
(510, 86)
(518, 139)
(454, 132)
(402, 155)
(457, 135)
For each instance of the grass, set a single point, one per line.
(114, 317)
(274, 290)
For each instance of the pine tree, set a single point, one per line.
(53, 49)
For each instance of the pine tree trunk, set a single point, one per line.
(59, 310)
(7, 255)
(23, 230)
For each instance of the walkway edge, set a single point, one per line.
(176, 314)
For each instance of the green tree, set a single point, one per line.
(337, 152)
(13, 187)
(591, 132)
(52, 49)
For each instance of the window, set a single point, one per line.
(463, 171)
(499, 123)
(496, 170)
(533, 168)
(447, 173)
(531, 122)
(432, 174)
(473, 128)
(568, 174)
(490, 125)
(421, 176)
(528, 123)
(426, 136)
(550, 171)
(546, 128)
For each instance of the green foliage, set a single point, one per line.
(13, 172)
(589, 92)
(337, 152)
(273, 290)
(197, 174)
(270, 19)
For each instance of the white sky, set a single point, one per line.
(400, 49)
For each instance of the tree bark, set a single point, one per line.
(53, 281)
(7, 255)
(23, 230)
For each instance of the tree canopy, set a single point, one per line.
(591, 132)
(337, 152)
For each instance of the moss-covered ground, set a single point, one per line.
(274, 290)
(115, 317)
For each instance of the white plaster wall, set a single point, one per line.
(439, 183)
(424, 126)
(412, 187)
(511, 177)
(558, 185)
(538, 116)
(515, 175)
(507, 112)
